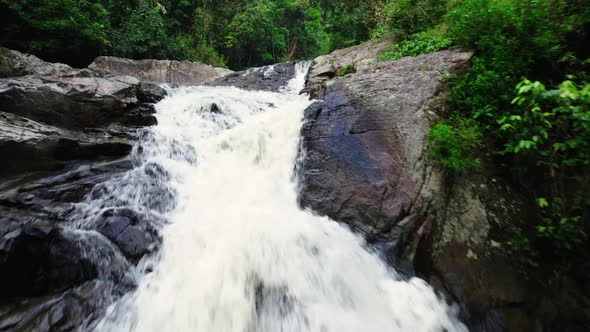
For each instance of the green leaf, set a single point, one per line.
(542, 202)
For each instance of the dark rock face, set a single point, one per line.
(65, 134)
(465, 252)
(51, 280)
(150, 93)
(364, 162)
(135, 233)
(69, 102)
(160, 71)
(34, 146)
(41, 259)
(362, 144)
(267, 78)
(66, 311)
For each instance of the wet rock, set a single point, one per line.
(67, 311)
(57, 280)
(160, 71)
(56, 191)
(69, 102)
(215, 109)
(141, 116)
(66, 133)
(147, 185)
(150, 92)
(33, 146)
(41, 259)
(14, 63)
(267, 78)
(135, 233)
(364, 163)
(363, 143)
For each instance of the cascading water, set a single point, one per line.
(238, 253)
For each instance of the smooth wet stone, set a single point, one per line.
(135, 233)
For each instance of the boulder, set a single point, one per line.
(68, 311)
(267, 78)
(326, 67)
(69, 102)
(55, 279)
(14, 63)
(160, 71)
(33, 146)
(363, 143)
(41, 259)
(65, 133)
(150, 92)
(364, 163)
(135, 232)
(467, 252)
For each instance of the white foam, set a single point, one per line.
(240, 255)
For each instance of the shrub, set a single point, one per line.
(550, 130)
(345, 70)
(407, 17)
(420, 43)
(452, 144)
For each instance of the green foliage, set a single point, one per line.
(420, 43)
(453, 144)
(405, 18)
(511, 38)
(550, 130)
(144, 34)
(539, 132)
(239, 34)
(58, 30)
(268, 31)
(482, 93)
(347, 22)
(347, 69)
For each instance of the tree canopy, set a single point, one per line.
(237, 34)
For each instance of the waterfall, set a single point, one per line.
(238, 253)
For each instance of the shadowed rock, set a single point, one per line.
(69, 102)
(267, 78)
(33, 146)
(14, 63)
(63, 133)
(136, 233)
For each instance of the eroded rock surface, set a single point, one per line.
(365, 163)
(160, 71)
(14, 63)
(267, 78)
(363, 143)
(71, 102)
(65, 134)
(326, 67)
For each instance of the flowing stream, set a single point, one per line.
(239, 254)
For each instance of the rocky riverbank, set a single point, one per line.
(64, 133)
(365, 162)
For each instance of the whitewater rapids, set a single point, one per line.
(239, 253)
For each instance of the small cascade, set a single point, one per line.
(238, 253)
